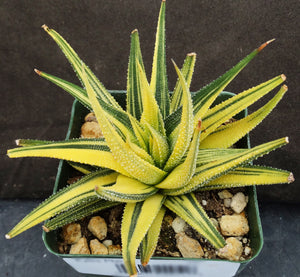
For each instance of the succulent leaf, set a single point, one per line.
(205, 173)
(151, 112)
(126, 190)
(85, 208)
(203, 98)
(183, 173)
(150, 240)
(134, 96)
(86, 151)
(124, 155)
(65, 199)
(226, 135)
(159, 147)
(76, 91)
(77, 65)
(249, 176)
(137, 219)
(232, 106)
(189, 209)
(183, 137)
(187, 71)
(159, 81)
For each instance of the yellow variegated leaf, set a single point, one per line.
(249, 176)
(126, 190)
(226, 135)
(151, 113)
(86, 151)
(64, 199)
(232, 106)
(140, 152)
(149, 242)
(183, 173)
(78, 64)
(134, 94)
(205, 173)
(124, 155)
(159, 147)
(140, 133)
(159, 81)
(137, 219)
(187, 71)
(185, 128)
(188, 208)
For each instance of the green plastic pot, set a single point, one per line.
(112, 265)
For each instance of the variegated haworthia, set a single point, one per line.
(158, 151)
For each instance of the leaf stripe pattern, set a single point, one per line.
(64, 199)
(188, 208)
(137, 219)
(85, 208)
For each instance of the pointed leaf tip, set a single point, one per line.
(45, 229)
(37, 72)
(291, 178)
(45, 27)
(265, 44)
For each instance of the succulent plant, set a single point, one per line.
(157, 152)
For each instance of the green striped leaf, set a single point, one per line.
(133, 164)
(64, 199)
(159, 147)
(232, 106)
(149, 242)
(85, 208)
(226, 135)
(87, 151)
(188, 208)
(134, 97)
(203, 98)
(181, 141)
(187, 71)
(249, 176)
(159, 81)
(77, 65)
(76, 91)
(183, 173)
(151, 111)
(207, 172)
(126, 190)
(137, 219)
(85, 168)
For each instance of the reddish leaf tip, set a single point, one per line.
(265, 44)
(45, 229)
(199, 124)
(38, 72)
